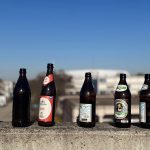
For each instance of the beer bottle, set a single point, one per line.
(87, 103)
(122, 104)
(145, 103)
(21, 101)
(47, 100)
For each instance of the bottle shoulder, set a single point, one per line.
(22, 86)
(87, 89)
(88, 93)
(22, 90)
(124, 94)
(145, 93)
(48, 90)
(87, 96)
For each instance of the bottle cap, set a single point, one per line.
(50, 65)
(147, 76)
(88, 74)
(22, 70)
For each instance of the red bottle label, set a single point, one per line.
(46, 108)
(48, 79)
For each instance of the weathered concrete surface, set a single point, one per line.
(70, 137)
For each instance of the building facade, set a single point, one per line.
(105, 81)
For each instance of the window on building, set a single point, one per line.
(102, 80)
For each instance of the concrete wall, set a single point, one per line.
(70, 137)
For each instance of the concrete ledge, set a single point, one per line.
(70, 137)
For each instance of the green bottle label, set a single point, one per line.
(121, 109)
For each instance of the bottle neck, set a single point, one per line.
(122, 81)
(22, 75)
(87, 86)
(49, 71)
(88, 83)
(88, 79)
(147, 81)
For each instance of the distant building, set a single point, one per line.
(6, 89)
(105, 81)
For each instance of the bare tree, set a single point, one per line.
(1, 86)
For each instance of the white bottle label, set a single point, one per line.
(143, 112)
(85, 113)
(48, 79)
(45, 109)
(121, 88)
(144, 87)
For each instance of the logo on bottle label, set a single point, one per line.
(85, 113)
(45, 109)
(121, 109)
(121, 88)
(143, 112)
(144, 87)
(48, 79)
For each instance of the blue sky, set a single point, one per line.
(74, 34)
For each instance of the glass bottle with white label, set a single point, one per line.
(122, 104)
(87, 103)
(145, 103)
(47, 100)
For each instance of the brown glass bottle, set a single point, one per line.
(87, 104)
(122, 104)
(47, 100)
(145, 103)
(21, 101)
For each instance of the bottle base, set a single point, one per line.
(145, 125)
(46, 124)
(121, 125)
(86, 125)
(20, 124)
